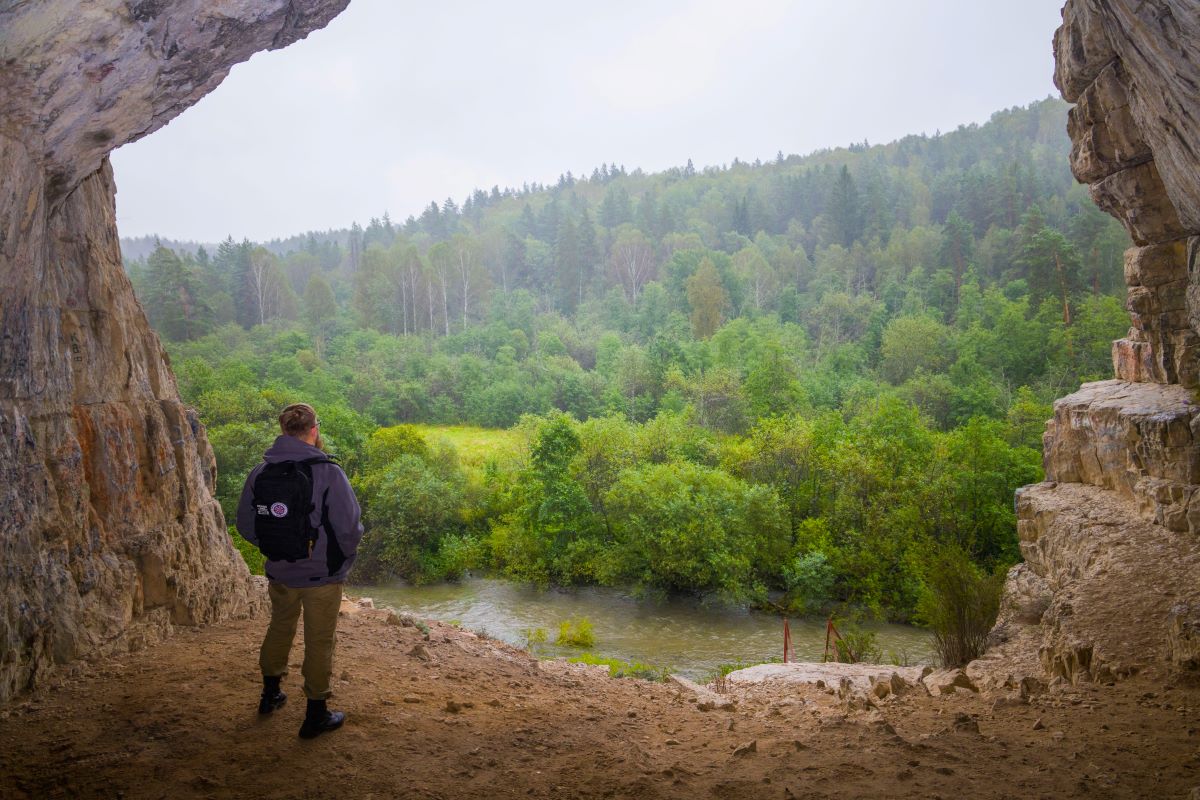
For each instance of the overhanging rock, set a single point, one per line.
(109, 533)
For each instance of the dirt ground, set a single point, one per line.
(470, 717)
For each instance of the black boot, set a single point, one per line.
(319, 719)
(272, 698)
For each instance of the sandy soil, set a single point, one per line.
(480, 719)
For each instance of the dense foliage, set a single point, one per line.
(806, 376)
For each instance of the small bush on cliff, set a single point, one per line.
(959, 604)
(250, 554)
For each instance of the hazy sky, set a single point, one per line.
(396, 104)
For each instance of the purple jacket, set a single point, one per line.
(330, 484)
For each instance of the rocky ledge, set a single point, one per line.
(1101, 589)
(1111, 540)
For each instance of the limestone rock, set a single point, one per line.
(1138, 198)
(704, 698)
(1133, 71)
(1183, 635)
(81, 79)
(1114, 578)
(948, 681)
(1157, 265)
(109, 533)
(749, 748)
(1133, 438)
(1081, 49)
(1026, 597)
(1163, 345)
(1103, 133)
(1152, 50)
(849, 677)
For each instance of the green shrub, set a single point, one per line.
(456, 555)
(960, 603)
(250, 554)
(858, 646)
(576, 633)
(625, 669)
(533, 637)
(809, 581)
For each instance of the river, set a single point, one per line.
(690, 638)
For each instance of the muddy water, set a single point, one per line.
(689, 638)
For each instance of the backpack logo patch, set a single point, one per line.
(279, 510)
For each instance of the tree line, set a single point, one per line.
(957, 283)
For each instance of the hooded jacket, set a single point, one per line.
(331, 490)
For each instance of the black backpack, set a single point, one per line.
(283, 499)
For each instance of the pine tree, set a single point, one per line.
(844, 210)
(957, 245)
(527, 224)
(647, 214)
(173, 298)
(1052, 264)
(616, 208)
(548, 220)
(567, 266)
(450, 219)
(589, 254)
(432, 222)
(245, 309)
(355, 247)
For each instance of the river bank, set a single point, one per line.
(682, 635)
(457, 715)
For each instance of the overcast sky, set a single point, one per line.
(396, 104)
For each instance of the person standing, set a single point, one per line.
(298, 508)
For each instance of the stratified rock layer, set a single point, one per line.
(109, 533)
(1112, 540)
(1111, 579)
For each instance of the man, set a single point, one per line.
(299, 509)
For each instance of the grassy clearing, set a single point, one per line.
(475, 446)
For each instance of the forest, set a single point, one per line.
(798, 382)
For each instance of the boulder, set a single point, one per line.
(1183, 635)
(947, 681)
(704, 698)
(847, 677)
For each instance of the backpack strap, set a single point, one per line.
(334, 557)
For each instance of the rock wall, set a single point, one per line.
(109, 533)
(1112, 538)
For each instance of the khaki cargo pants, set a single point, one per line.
(320, 605)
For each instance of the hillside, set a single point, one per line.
(854, 349)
